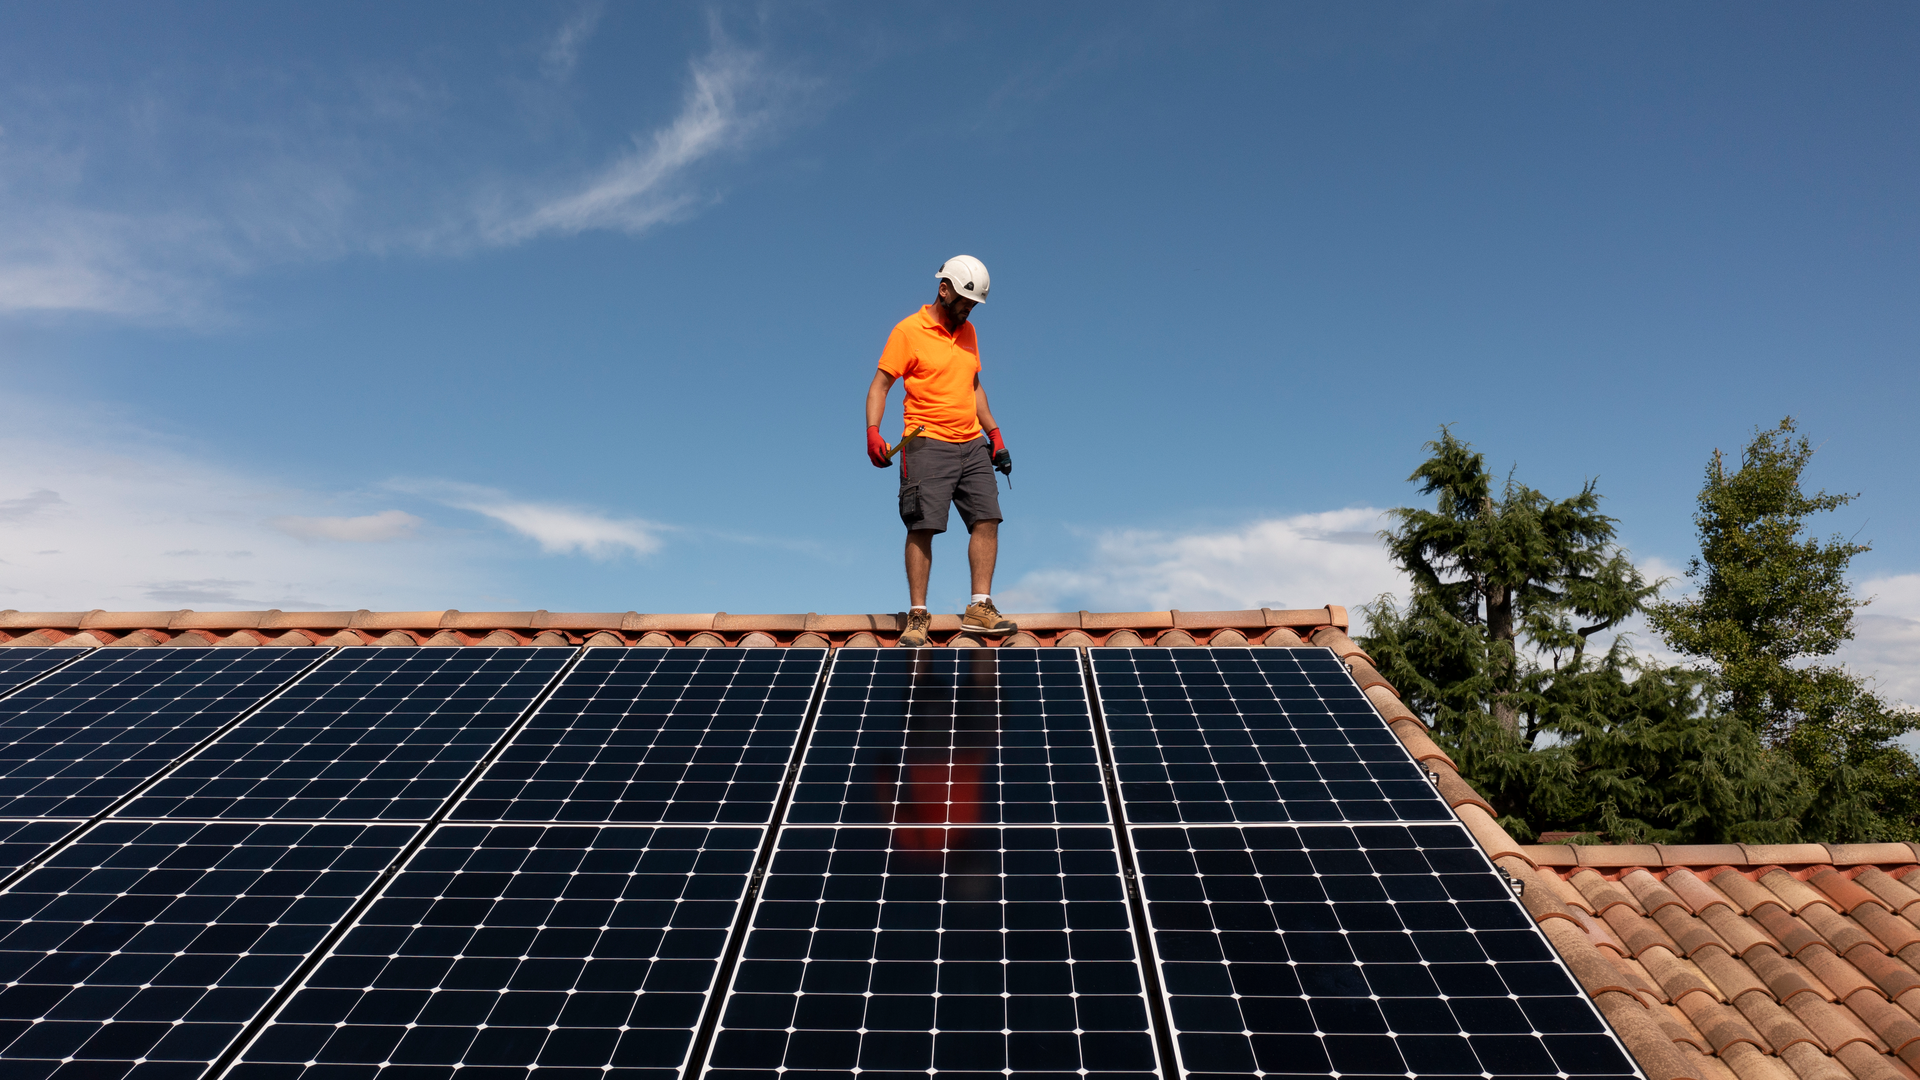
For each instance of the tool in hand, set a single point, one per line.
(914, 434)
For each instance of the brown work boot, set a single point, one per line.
(984, 618)
(915, 635)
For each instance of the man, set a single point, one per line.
(951, 461)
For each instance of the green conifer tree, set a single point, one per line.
(1771, 600)
(1491, 647)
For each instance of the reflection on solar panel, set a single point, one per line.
(145, 948)
(18, 665)
(21, 842)
(371, 734)
(74, 742)
(1377, 950)
(683, 735)
(962, 736)
(978, 951)
(513, 948)
(1252, 735)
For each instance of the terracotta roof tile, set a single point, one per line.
(1783, 978)
(1589, 965)
(1418, 743)
(1833, 1024)
(1896, 894)
(1786, 854)
(1723, 1025)
(1886, 972)
(1739, 932)
(1844, 933)
(1695, 892)
(1175, 639)
(1614, 856)
(1644, 1037)
(1125, 639)
(1808, 1062)
(1692, 933)
(1222, 639)
(1865, 1064)
(1601, 893)
(1898, 1030)
(1781, 1027)
(1729, 975)
(1285, 637)
(1859, 854)
(1842, 978)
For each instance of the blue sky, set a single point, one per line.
(573, 305)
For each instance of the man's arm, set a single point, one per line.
(1001, 459)
(877, 397)
(979, 406)
(876, 410)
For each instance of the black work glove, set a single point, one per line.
(1002, 460)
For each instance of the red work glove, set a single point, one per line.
(877, 448)
(1001, 459)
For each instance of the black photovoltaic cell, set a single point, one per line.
(372, 734)
(144, 948)
(645, 735)
(1375, 950)
(961, 736)
(21, 842)
(1252, 735)
(574, 950)
(17, 664)
(902, 952)
(87, 735)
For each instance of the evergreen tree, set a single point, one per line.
(1771, 600)
(1492, 648)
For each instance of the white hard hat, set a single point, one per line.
(969, 276)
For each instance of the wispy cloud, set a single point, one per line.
(562, 54)
(1886, 642)
(1306, 560)
(366, 529)
(275, 168)
(558, 529)
(727, 103)
(108, 515)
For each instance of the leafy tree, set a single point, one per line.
(1492, 647)
(1771, 600)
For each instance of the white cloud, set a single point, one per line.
(724, 107)
(1886, 642)
(95, 513)
(1307, 560)
(559, 530)
(367, 529)
(562, 54)
(280, 168)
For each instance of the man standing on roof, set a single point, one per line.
(945, 459)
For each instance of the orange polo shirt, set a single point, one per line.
(939, 369)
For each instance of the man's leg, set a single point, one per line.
(920, 565)
(983, 550)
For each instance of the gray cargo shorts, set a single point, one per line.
(934, 474)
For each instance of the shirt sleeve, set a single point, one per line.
(897, 357)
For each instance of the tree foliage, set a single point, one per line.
(1492, 647)
(1770, 601)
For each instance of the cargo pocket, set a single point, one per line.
(909, 493)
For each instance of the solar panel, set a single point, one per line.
(514, 948)
(959, 736)
(1219, 735)
(145, 948)
(656, 735)
(21, 664)
(981, 951)
(21, 842)
(90, 733)
(371, 734)
(1373, 949)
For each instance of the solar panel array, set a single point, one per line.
(968, 736)
(73, 743)
(1204, 735)
(372, 735)
(23, 664)
(676, 864)
(646, 735)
